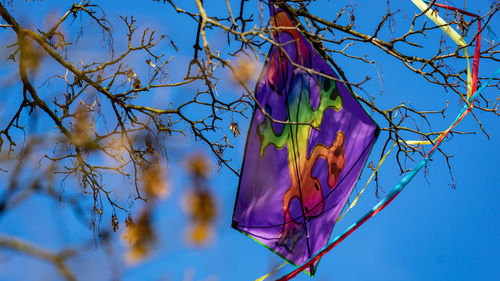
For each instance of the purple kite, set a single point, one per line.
(300, 165)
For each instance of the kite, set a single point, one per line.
(307, 144)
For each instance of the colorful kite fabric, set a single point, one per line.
(300, 167)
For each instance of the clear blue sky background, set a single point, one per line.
(430, 232)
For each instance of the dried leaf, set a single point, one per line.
(154, 181)
(148, 61)
(201, 206)
(81, 127)
(115, 223)
(234, 129)
(140, 238)
(198, 166)
(31, 54)
(137, 84)
(245, 70)
(200, 234)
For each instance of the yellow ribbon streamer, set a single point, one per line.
(459, 40)
(267, 275)
(416, 142)
(355, 201)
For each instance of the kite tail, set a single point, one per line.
(472, 82)
(392, 194)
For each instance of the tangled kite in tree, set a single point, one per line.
(307, 144)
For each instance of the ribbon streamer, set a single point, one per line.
(355, 201)
(392, 194)
(416, 142)
(471, 96)
(274, 270)
(433, 15)
(471, 79)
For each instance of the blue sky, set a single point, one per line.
(430, 232)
